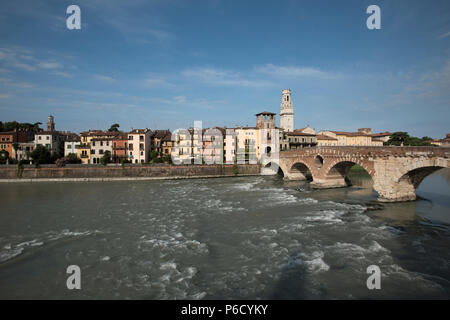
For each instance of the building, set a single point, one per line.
(160, 142)
(298, 139)
(11, 142)
(363, 137)
(84, 148)
(98, 148)
(70, 145)
(24, 150)
(382, 136)
(286, 111)
(213, 149)
(120, 148)
(446, 141)
(325, 140)
(139, 143)
(51, 139)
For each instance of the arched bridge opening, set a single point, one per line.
(299, 171)
(272, 168)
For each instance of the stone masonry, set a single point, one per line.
(396, 171)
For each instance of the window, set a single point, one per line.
(39, 137)
(101, 143)
(48, 138)
(130, 146)
(141, 138)
(93, 143)
(142, 153)
(100, 151)
(130, 137)
(92, 151)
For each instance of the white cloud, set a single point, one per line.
(180, 99)
(295, 72)
(445, 35)
(222, 77)
(24, 66)
(50, 65)
(103, 77)
(62, 74)
(155, 82)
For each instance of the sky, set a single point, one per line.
(164, 64)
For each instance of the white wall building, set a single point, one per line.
(70, 147)
(139, 145)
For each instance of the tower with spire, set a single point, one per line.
(286, 111)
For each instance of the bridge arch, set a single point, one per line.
(300, 171)
(417, 175)
(272, 168)
(334, 174)
(340, 168)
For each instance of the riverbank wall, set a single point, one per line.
(127, 172)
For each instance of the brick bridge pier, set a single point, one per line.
(396, 171)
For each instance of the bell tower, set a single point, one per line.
(50, 124)
(286, 111)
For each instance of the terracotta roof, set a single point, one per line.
(351, 134)
(160, 134)
(298, 133)
(381, 134)
(138, 131)
(324, 137)
(266, 113)
(98, 133)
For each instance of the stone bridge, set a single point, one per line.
(396, 171)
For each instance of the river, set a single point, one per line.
(224, 238)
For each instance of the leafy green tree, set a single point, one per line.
(397, 138)
(167, 159)
(153, 155)
(73, 158)
(41, 155)
(106, 158)
(403, 138)
(114, 127)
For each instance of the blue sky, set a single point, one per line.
(163, 64)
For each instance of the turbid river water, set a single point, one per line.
(223, 238)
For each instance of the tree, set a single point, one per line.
(167, 159)
(114, 127)
(397, 138)
(41, 155)
(403, 138)
(73, 158)
(106, 158)
(153, 156)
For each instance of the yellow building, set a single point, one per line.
(84, 149)
(363, 137)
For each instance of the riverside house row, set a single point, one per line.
(193, 145)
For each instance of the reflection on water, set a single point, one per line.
(433, 204)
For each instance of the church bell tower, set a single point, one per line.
(286, 111)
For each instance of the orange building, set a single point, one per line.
(8, 139)
(119, 148)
